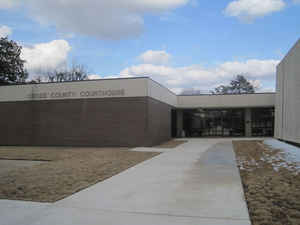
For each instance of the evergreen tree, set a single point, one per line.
(240, 85)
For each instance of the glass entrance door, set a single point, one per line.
(214, 122)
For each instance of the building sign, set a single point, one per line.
(80, 94)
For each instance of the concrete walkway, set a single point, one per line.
(196, 183)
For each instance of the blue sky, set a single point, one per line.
(184, 44)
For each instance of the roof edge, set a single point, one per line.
(76, 81)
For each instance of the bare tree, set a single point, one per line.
(76, 73)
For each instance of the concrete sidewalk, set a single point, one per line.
(196, 183)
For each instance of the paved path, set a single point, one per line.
(196, 183)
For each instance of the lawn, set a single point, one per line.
(271, 180)
(61, 171)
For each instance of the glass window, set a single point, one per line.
(262, 122)
(214, 122)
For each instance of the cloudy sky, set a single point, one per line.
(184, 44)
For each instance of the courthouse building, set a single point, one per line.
(141, 112)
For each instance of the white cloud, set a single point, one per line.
(155, 57)
(6, 4)
(200, 78)
(256, 84)
(177, 90)
(105, 19)
(248, 10)
(5, 31)
(44, 57)
(94, 77)
(252, 68)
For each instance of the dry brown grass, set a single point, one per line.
(273, 196)
(171, 144)
(69, 170)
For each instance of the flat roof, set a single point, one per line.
(122, 87)
(256, 93)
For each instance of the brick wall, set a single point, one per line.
(139, 121)
(158, 122)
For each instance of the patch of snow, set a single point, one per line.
(288, 157)
(291, 151)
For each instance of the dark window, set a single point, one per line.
(214, 122)
(262, 122)
(174, 122)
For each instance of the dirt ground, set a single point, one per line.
(8, 165)
(64, 170)
(171, 144)
(272, 190)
